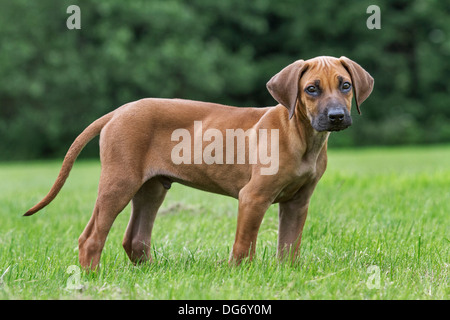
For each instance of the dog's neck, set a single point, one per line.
(313, 140)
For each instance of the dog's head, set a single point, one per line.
(323, 87)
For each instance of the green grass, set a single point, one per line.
(377, 214)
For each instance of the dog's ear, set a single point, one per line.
(284, 85)
(361, 79)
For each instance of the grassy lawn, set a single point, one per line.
(378, 228)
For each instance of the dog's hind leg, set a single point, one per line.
(116, 189)
(145, 205)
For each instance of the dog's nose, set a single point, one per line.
(336, 115)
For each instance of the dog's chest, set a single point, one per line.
(305, 175)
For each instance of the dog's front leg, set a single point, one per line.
(292, 216)
(252, 207)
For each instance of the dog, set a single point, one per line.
(141, 156)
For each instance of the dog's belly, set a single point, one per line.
(221, 179)
(209, 188)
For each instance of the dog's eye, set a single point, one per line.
(311, 89)
(346, 86)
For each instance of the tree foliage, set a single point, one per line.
(55, 81)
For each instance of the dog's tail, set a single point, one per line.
(87, 135)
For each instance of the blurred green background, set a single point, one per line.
(55, 81)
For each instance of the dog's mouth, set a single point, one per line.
(330, 128)
(339, 127)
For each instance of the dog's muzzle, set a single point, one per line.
(332, 119)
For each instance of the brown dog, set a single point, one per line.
(146, 145)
